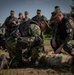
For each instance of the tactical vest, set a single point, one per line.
(61, 31)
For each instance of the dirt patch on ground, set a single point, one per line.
(33, 71)
(40, 71)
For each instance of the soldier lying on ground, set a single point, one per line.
(55, 60)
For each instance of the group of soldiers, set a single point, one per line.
(24, 39)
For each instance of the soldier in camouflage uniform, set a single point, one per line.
(26, 16)
(28, 36)
(64, 35)
(20, 19)
(10, 22)
(38, 18)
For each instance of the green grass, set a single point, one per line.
(47, 39)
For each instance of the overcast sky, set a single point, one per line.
(47, 6)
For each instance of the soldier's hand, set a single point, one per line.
(59, 49)
(54, 43)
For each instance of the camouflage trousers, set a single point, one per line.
(18, 54)
(68, 47)
(14, 51)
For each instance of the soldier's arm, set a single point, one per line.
(69, 36)
(35, 31)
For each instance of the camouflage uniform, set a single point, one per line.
(26, 19)
(30, 40)
(38, 19)
(9, 23)
(55, 60)
(64, 35)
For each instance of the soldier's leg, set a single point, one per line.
(69, 47)
(14, 51)
(54, 48)
(54, 44)
(18, 56)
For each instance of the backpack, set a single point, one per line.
(24, 27)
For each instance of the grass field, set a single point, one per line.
(40, 71)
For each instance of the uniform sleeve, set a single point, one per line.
(69, 31)
(35, 32)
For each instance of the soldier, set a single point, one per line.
(28, 37)
(26, 16)
(64, 35)
(20, 19)
(38, 16)
(10, 22)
